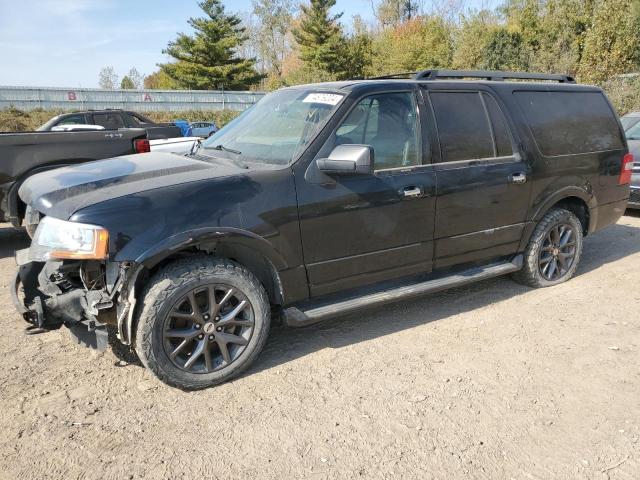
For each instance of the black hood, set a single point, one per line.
(61, 192)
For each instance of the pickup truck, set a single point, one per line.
(111, 119)
(24, 154)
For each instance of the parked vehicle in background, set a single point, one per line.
(322, 200)
(203, 129)
(180, 145)
(70, 127)
(114, 120)
(631, 124)
(25, 154)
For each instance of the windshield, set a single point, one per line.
(633, 133)
(277, 128)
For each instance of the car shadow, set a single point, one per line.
(12, 239)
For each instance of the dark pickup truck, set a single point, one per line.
(322, 200)
(113, 119)
(25, 154)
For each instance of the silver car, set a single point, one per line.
(631, 125)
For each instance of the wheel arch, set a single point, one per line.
(577, 200)
(246, 248)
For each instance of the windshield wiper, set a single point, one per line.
(225, 149)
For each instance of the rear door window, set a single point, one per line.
(463, 126)
(110, 121)
(569, 123)
(72, 120)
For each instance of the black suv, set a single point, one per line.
(320, 200)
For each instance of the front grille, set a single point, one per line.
(634, 197)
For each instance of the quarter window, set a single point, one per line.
(566, 122)
(389, 124)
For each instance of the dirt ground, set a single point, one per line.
(490, 381)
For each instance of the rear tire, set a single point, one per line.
(554, 250)
(202, 322)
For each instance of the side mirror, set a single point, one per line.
(348, 159)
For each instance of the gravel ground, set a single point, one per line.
(490, 381)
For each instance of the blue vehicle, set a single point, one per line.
(203, 129)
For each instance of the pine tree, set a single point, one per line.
(319, 36)
(209, 57)
(127, 83)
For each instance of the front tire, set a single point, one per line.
(554, 250)
(202, 322)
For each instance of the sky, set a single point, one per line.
(65, 43)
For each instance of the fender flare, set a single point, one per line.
(210, 237)
(566, 192)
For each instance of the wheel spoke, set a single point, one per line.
(552, 269)
(182, 315)
(181, 332)
(230, 338)
(179, 348)
(195, 354)
(197, 314)
(224, 351)
(234, 313)
(565, 237)
(207, 359)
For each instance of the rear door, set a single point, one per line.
(483, 180)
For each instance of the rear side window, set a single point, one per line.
(565, 123)
(72, 120)
(463, 127)
(110, 121)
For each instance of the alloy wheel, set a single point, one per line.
(558, 252)
(208, 328)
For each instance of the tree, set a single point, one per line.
(159, 81)
(394, 12)
(612, 42)
(272, 33)
(319, 37)
(127, 83)
(136, 77)
(473, 36)
(107, 78)
(209, 58)
(423, 42)
(505, 50)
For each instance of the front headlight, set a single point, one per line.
(60, 240)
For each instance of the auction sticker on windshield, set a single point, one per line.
(326, 98)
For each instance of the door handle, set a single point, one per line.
(412, 191)
(518, 178)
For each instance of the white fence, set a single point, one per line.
(31, 98)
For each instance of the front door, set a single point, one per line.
(483, 181)
(361, 229)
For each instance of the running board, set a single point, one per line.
(307, 315)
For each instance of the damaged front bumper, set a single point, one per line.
(53, 294)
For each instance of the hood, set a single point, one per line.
(61, 192)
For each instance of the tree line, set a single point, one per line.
(283, 43)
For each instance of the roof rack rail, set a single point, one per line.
(491, 75)
(394, 75)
